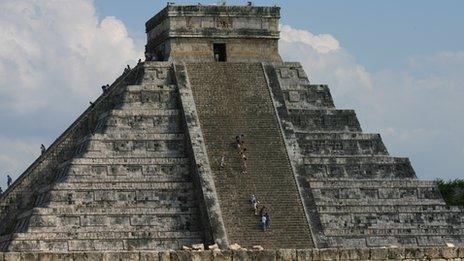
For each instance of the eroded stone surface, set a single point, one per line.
(355, 194)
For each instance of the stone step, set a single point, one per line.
(141, 124)
(114, 223)
(128, 153)
(90, 245)
(291, 72)
(358, 167)
(368, 221)
(324, 120)
(445, 232)
(316, 144)
(163, 121)
(140, 130)
(149, 105)
(386, 240)
(141, 113)
(130, 161)
(307, 97)
(371, 183)
(137, 137)
(130, 178)
(323, 201)
(124, 185)
(148, 208)
(416, 208)
(146, 92)
(152, 88)
(119, 171)
(107, 235)
(157, 200)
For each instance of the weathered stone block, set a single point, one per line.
(433, 252)
(461, 252)
(56, 256)
(144, 244)
(449, 252)
(225, 255)
(149, 256)
(304, 254)
(181, 255)
(414, 253)
(327, 254)
(120, 256)
(43, 221)
(293, 96)
(285, 73)
(54, 246)
(206, 255)
(81, 245)
(24, 246)
(265, 255)
(241, 255)
(379, 253)
(88, 256)
(396, 253)
(354, 254)
(104, 245)
(286, 255)
(165, 256)
(29, 256)
(12, 256)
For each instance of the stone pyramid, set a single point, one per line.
(141, 168)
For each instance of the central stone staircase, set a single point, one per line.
(233, 99)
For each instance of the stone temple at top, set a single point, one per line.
(153, 163)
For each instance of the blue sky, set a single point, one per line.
(378, 33)
(399, 64)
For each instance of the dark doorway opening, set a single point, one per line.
(220, 53)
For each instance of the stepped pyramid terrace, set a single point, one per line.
(140, 170)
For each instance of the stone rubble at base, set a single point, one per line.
(432, 253)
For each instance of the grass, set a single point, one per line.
(452, 191)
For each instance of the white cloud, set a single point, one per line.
(336, 67)
(418, 109)
(323, 43)
(53, 50)
(54, 56)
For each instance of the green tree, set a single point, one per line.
(452, 191)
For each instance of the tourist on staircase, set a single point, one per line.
(244, 162)
(105, 88)
(240, 141)
(223, 161)
(263, 222)
(254, 203)
(1, 191)
(42, 149)
(9, 180)
(268, 220)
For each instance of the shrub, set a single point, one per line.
(452, 191)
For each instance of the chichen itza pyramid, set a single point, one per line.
(140, 170)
